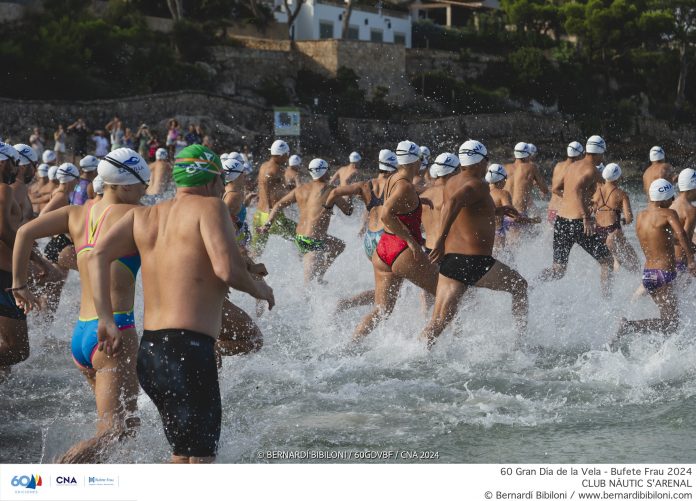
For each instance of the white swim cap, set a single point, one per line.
(98, 185)
(295, 161)
(8, 152)
(495, 174)
(124, 166)
(657, 154)
(661, 190)
(600, 167)
(280, 147)
(248, 169)
(232, 169)
(26, 154)
(532, 149)
(67, 172)
(445, 163)
(161, 154)
(387, 161)
(224, 157)
(611, 172)
(425, 157)
(687, 180)
(89, 163)
(42, 170)
(407, 152)
(596, 145)
(236, 155)
(575, 149)
(354, 157)
(318, 168)
(472, 152)
(48, 157)
(52, 171)
(522, 150)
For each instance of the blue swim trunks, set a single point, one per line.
(656, 279)
(370, 242)
(84, 339)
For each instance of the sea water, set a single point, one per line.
(476, 398)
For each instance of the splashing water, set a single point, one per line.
(474, 398)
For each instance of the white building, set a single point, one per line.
(323, 19)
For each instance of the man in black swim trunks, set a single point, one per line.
(189, 260)
(574, 224)
(464, 247)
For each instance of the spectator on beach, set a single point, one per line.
(153, 146)
(172, 135)
(128, 139)
(79, 128)
(208, 142)
(180, 144)
(59, 148)
(101, 144)
(37, 142)
(143, 136)
(115, 127)
(192, 136)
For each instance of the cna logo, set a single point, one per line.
(27, 481)
(66, 481)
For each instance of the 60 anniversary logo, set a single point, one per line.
(28, 482)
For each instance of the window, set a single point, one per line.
(353, 33)
(376, 36)
(326, 29)
(399, 39)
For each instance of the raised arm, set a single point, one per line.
(287, 200)
(348, 190)
(343, 204)
(56, 202)
(540, 181)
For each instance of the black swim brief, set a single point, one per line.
(55, 246)
(8, 306)
(568, 232)
(176, 368)
(466, 269)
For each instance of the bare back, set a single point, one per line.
(180, 287)
(608, 201)
(346, 175)
(556, 179)
(271, 185)
(687, 217)
(523, 177)
(431, 216)
(501, 198)
(657, 170)
(21, 195)
(657, 238)
(374, 222)
(314, 217)
(160, 177)
(473, 230)
(579, 186)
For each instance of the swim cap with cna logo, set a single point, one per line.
(295, 161)
(596, 145)
(66, 173)
(425, 157)
(657, 154)
(98, 185)
(123, 166)
(575, 149)
(196, 165)
(232, 169)
(89, 163)
(354, 157)
(611, 172)
(387, 161)
(407, 152)
(521, 150)
(48, 157)
(27, 156)
(42, 170)
(495, 174)
(661, 190)
(52, 171)
(280, 148)
(445, 163)
(532, 149)
(161, 154)
(236, 155)
(687, 180)
(7, 152)
(472, 152)
(317, 168)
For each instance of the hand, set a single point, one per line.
(428, 202)
(108, 337)
(589, 225)
(265, 294)
(507, 210)
(438, 251)
(415, 248)
(26, 300)
(258, 269)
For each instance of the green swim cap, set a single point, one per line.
(196, 165)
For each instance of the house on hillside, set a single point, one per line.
(323, 19)
(451, 13)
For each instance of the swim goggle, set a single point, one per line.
(581, 150)
(128, 169)
(471, 153)
(497, 173)
(66, 173)
(15, 161)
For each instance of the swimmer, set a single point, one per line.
(464, 245)
(161, 172)
(421, 181)
(496, 177)
(612, 207)
(292, 172)
(399, 254)
(574, 223)
(372, 194)
(348, 173)
(271, 186)
(683, 206)
(659, 229)
(25, 174)
(445, 166)
(575, 152)
(658, 169)
(319, 248)
(83, 190)
(112, 378)
(98, 185)
(44, 194)
(523, 175)
(184, 292)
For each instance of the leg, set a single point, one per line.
(14, 342)
(563, 241)
(625, 253)
(116, 392)
(449, 293)
(503, 278)
(362, 299)
(387, 285)
(418, 270)
(607, 275)
(333, 248)
(239, 334)
(310, 265)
